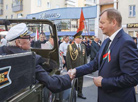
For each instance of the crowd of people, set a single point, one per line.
(116, 59)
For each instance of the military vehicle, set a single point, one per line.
(17, 71)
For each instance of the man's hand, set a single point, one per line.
(98, 81)
(72, 73)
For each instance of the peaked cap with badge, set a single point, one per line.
(78, 35)
(17, 31)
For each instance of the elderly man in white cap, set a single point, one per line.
(19, 42)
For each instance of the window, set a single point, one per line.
(91, 24)
(11, 16)
(16, 2)
(63, 25)
(38, 2)
(48, 4)
(6, 7)
(132, 10)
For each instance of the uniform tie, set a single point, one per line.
(79, 47)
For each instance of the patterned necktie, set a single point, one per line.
(105, 48)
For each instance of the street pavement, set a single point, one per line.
(90, 90)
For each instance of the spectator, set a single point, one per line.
(42, 40)
(94, 48)
(3, 41)
(63, 48)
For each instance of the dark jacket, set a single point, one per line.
(94, 50)
(62, 82)
(120, 74)
(38, 43)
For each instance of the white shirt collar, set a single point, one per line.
(65, 42)
(77, 44)
(114, 34)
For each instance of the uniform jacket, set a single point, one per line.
(62, 82)
(81, 57)
(120, 75)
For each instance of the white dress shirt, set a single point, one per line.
(78, 45)
(113, 36)
(63, 47)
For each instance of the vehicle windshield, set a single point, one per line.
(41, 35)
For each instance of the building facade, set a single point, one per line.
(66, 19)
(20, 8)
(129, 16)
(50, 9)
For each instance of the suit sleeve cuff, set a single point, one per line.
(104, 81)
(106, 85)
(77, 72)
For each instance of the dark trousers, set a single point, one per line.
(80, 85)
(65, 61)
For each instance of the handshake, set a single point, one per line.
(97, 80)
(72, 73)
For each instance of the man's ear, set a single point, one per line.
(18, 43)
(114, 22)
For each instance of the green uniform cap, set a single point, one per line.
(78, 35)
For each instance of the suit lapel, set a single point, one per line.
(101, 51)
(114, 42)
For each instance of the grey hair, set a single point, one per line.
(12, 43)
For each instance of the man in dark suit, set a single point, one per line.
(76, 56)
(94, 48)
(118, 67)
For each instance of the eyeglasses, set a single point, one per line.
(28, 37)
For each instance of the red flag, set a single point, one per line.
(81, 25)
(36, 35)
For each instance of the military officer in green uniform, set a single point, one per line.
(76, 56)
